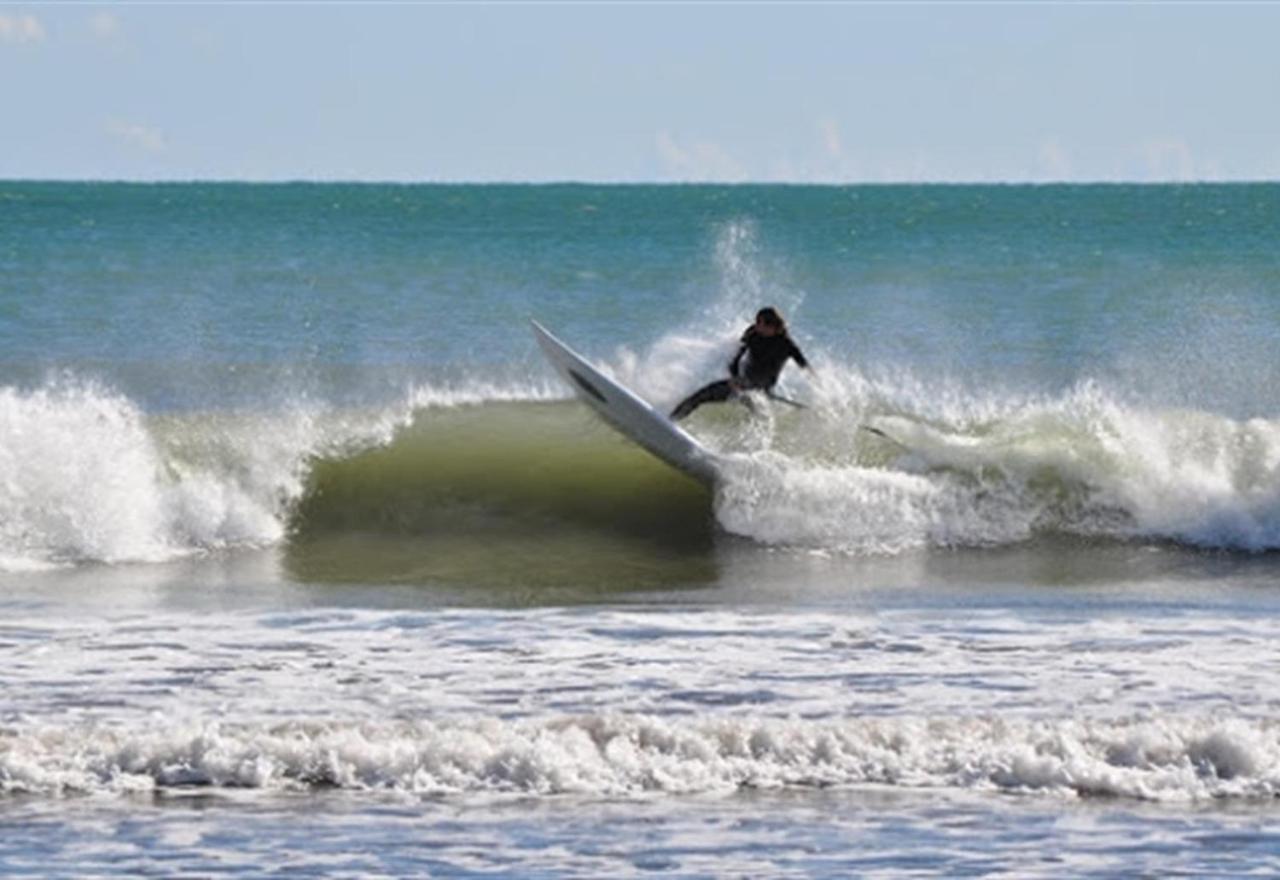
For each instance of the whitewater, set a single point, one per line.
(309, 564)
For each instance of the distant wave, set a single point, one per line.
(1163, 758)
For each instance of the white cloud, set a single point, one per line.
(698, 161)
(20, 29)
(146, 138)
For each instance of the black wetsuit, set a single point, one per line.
(757, 364)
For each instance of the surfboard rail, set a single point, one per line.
(627, 412)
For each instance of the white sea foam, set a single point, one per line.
(1162, 759)
(613, 702)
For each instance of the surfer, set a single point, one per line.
(762, 353)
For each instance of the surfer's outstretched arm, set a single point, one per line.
(797, 355)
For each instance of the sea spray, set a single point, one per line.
(80, 478)
(697, 350)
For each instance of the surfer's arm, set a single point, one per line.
(798, 356)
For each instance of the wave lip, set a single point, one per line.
(86, 476)
(1158, 759)
(79, 479)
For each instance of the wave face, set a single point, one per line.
(545, 464)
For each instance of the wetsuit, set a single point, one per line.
(757, 364)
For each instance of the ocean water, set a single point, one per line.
(309, 566)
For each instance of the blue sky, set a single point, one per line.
(635, 92)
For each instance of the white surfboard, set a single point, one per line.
(627, 412)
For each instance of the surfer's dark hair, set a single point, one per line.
(769, 317)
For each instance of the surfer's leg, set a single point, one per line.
(716, 392)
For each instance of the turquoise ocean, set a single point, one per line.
(310, 565)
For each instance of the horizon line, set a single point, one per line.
(338, 181)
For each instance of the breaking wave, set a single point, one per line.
(1158, 759)
(870, 467)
